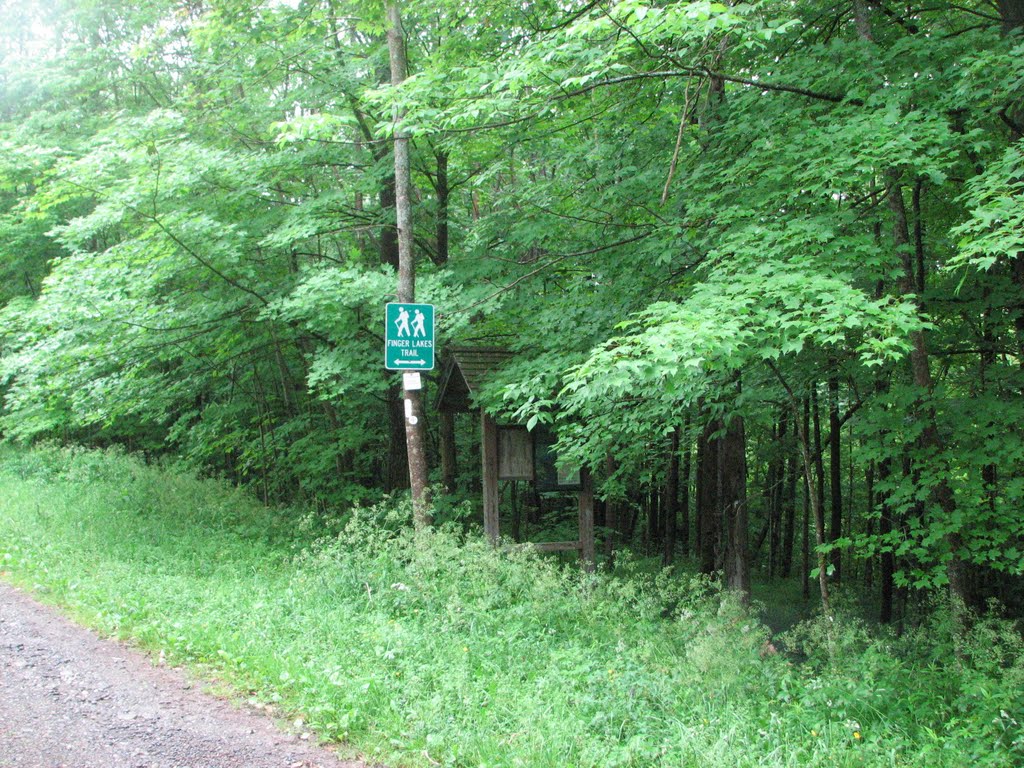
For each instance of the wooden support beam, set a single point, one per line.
(489, 473)
(586, 519)
(449, 469)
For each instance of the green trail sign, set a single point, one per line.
(409, 337)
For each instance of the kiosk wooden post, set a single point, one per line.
(506, 452)
(489, 473)
(449, 465)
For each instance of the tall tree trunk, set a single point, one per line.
(887, 571)
(835, 471)
(818, 508)
(707, 500)
(671, 506)
(941, 492)
(396, 469)
(770, 529)
(805, 547)
(415, 428)
(816, 493)
(733, 468)
(789, 511)
(922, 268)
(653, 531)
(777, 477)
(389, 254)
(989, 472)
(1012, 14)
(869, 563)
(684, 506)
(443, 192)
(813, 491)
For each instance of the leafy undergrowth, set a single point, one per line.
(432, 649)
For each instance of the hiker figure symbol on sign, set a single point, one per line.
(409, 337)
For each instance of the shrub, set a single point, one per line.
(434, 647)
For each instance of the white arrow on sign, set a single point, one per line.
(410, 362)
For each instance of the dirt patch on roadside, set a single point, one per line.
(69, 699)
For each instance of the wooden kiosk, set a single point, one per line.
(507, 451)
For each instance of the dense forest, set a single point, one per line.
(760, 265)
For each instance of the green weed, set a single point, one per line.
(434, 648)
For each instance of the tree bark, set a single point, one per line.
(869, 563)
(789, 509)
(653, 531)
(941, 493)
(733, 469)
(816, 492)
(989, 472)
(812, 489)
(818, 507)
(887, 570)
(805, 547)
(441, 224)
(1012, 14)
(707, 500)
(835, 471)
(776, 482)
(671, 506)
(396, 469)
(684, 506)
(415, 441)
(722, 504)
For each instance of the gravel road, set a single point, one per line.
(69, 699)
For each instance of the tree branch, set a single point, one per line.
(546, 265)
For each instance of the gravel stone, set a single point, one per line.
(69, 699)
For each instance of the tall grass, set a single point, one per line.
(427, 649)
